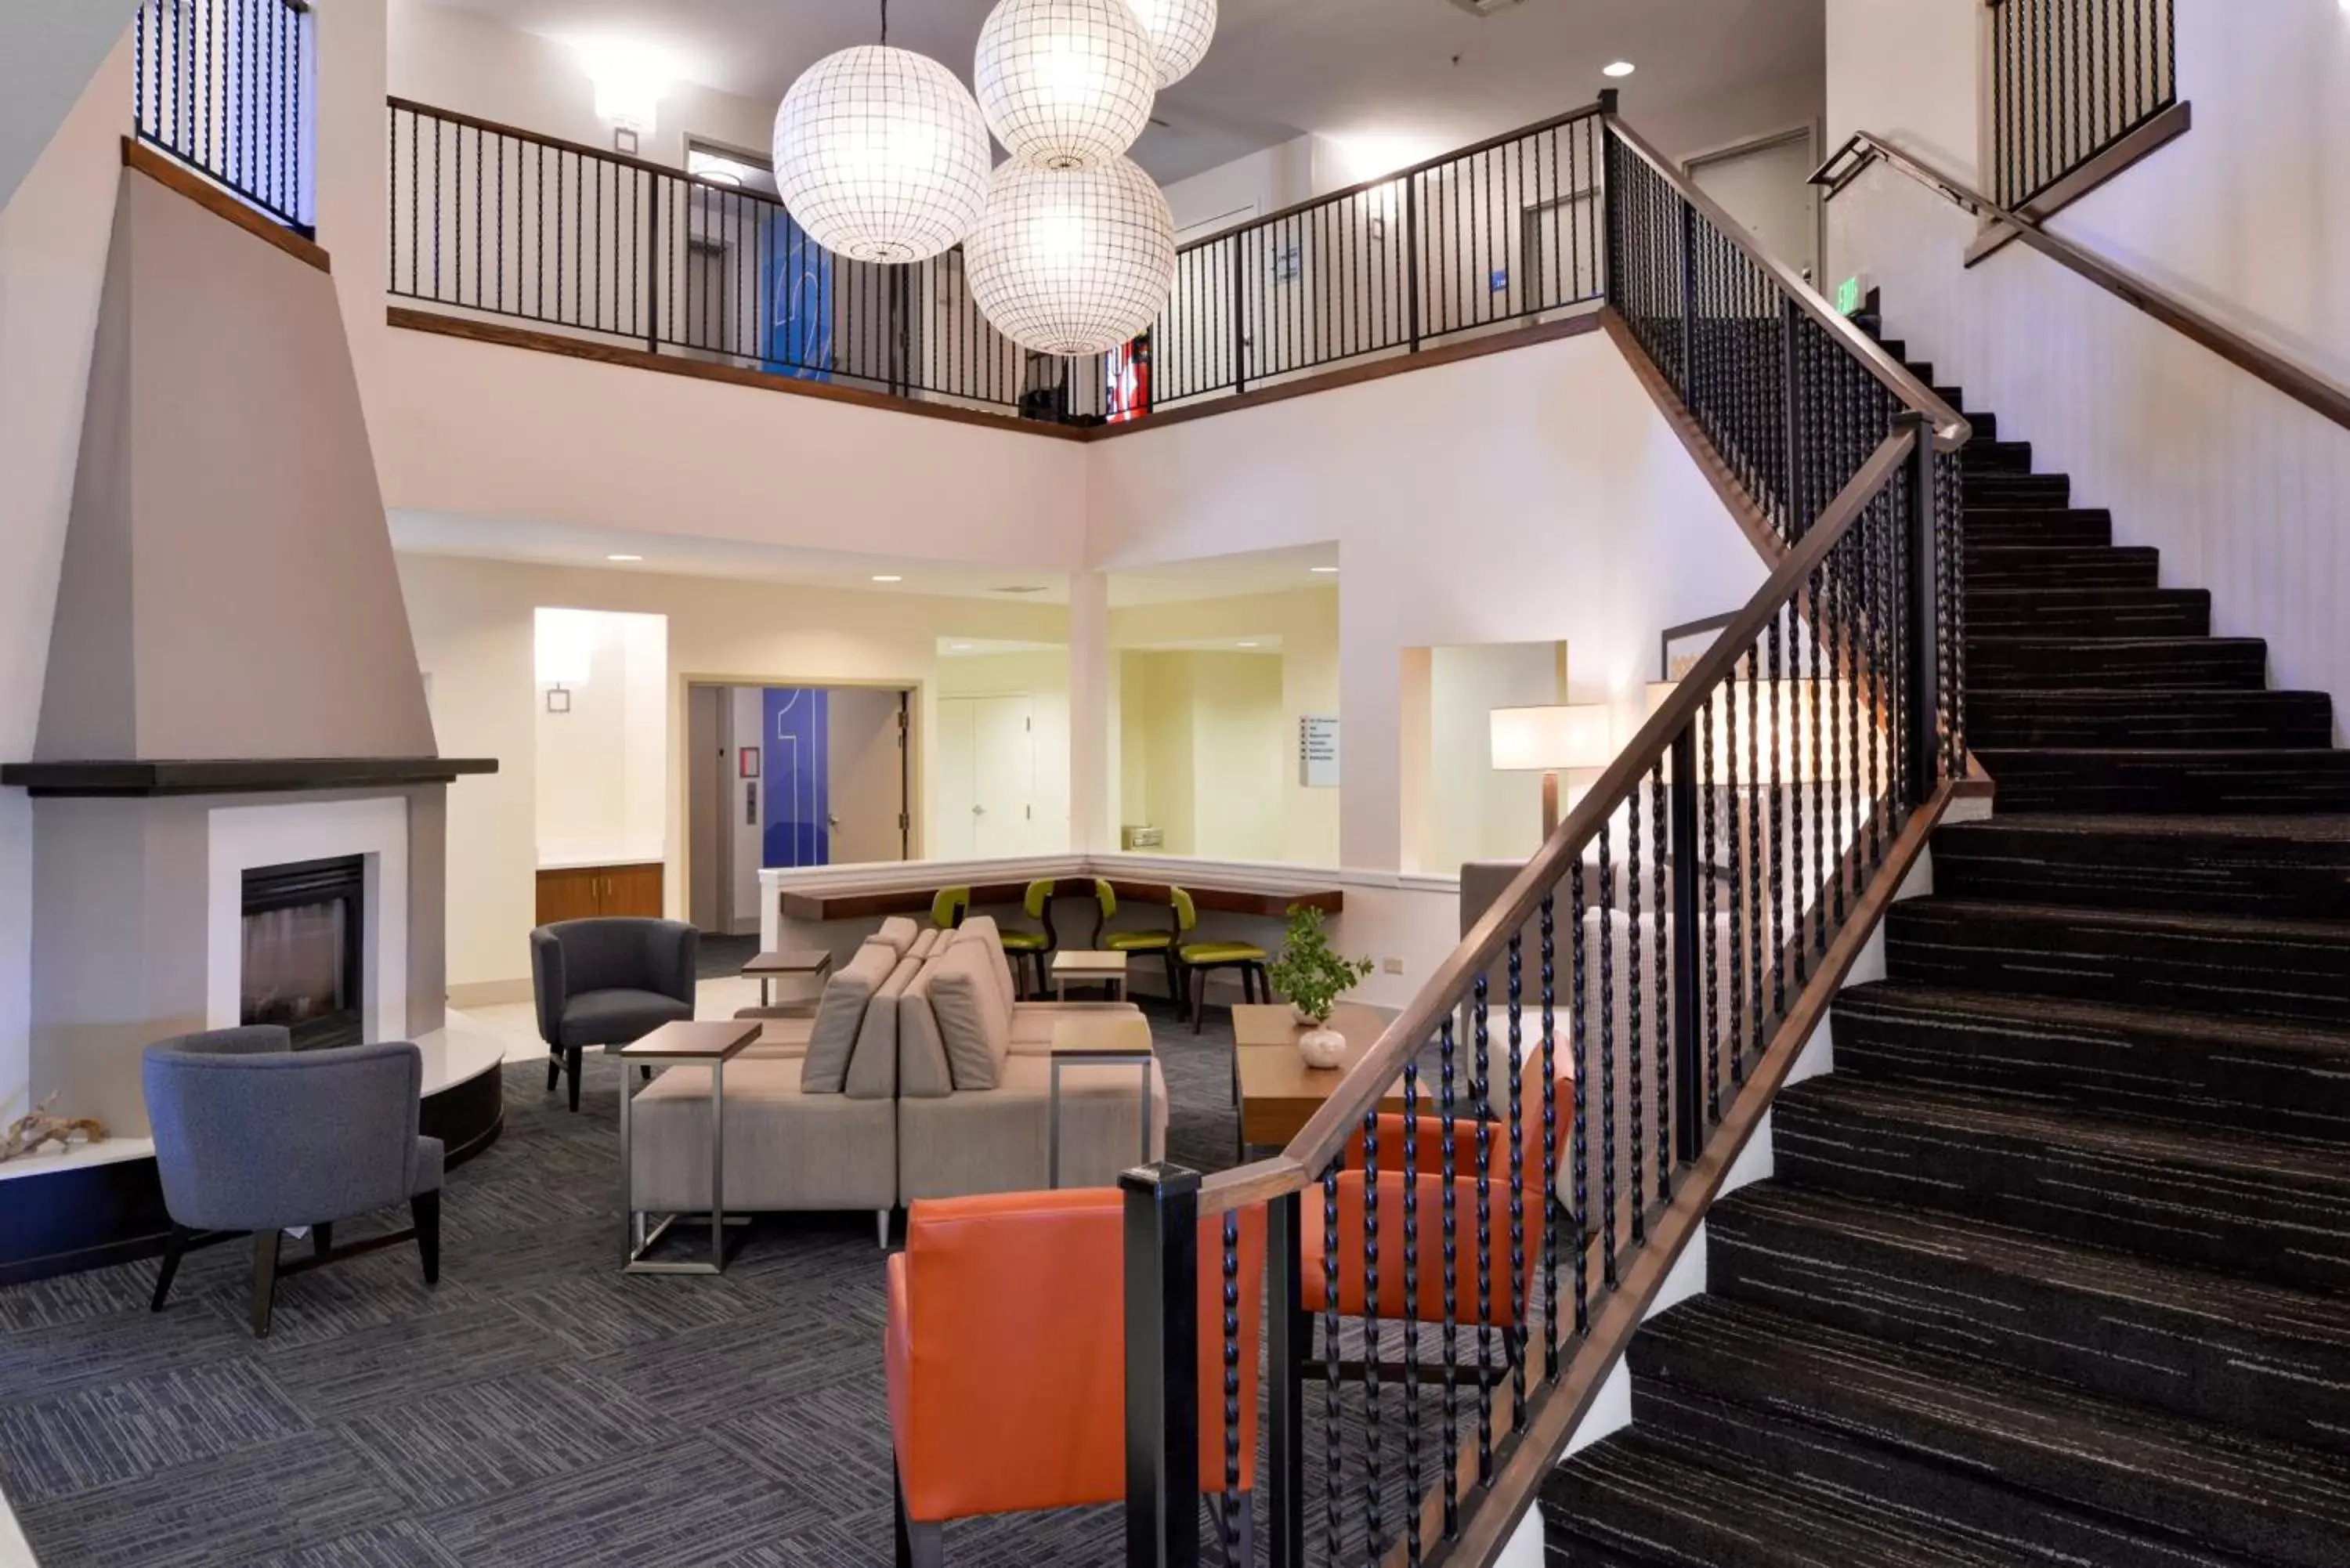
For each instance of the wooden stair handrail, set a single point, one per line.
(2304, 387)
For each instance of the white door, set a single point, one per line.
(986, 777)
(1766, 188)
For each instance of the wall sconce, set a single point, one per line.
(564, 645)
(1551, 741)
(629, 83)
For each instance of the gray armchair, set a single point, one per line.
(251, 1135)
(608, 982)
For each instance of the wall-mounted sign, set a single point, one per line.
(1499, 281)
(1318, 751)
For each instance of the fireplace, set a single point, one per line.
(304, 937)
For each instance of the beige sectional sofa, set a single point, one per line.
(921, 1075)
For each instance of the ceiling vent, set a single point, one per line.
(1487, 7)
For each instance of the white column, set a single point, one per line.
(1091, 820)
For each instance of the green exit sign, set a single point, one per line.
(1847, 297)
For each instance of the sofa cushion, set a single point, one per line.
(841, 1013)
(784, 1149)
(1000, 1141)
(898, 931)
(922, 1071)
(973, 1024)
(618, 1017)
(981, 931)
(873, 1070)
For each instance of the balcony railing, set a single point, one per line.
(2067, 79)
(223, 85)
(489, 219)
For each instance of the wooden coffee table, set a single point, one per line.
(1279, 1094)
(712, 1045)
(1077, 965)
(810, 963)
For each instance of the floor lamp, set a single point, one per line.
(1551, 741)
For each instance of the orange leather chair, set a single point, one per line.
(1006, 1357)
(1428, 1179)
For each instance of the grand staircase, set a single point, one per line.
(2055, 1267)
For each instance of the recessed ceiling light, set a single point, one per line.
(1620, 69)
(958, 648)
(887, 578)
(1326, 571)
(624, 557)
(1244, 644)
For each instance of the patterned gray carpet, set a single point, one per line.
(539, 1409)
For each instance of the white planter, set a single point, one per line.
(1322, 1048)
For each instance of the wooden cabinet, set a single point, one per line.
(578, 892)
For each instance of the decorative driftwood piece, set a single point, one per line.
(28, 1133)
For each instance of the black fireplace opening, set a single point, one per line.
(305, 924)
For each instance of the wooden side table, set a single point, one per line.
(1095, 1040)
(809, 963)
(675, 1044)
(1077, 966)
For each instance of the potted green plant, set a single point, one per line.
(1314, 976)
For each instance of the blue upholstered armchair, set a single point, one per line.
(608, 982)
(251, 1135)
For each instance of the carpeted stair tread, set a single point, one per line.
(2148, 716)
(2019, 490)
(1984, 455)
(2061, 566)
(2261, 1358)
(2261, 1205)
(1635, 1501)
(2235, 964)
(2089, 612)
(2194, 1069)
(2206, 781)
(1996, 662)
(2078, 526)
(1990, 1446)
(2293, 866)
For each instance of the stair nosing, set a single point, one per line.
(2188, 922)
(1971, 1004)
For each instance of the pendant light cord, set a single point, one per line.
(885, 24)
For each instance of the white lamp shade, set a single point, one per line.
(880, 155)
(1552, 739)
(1181, 32)
(1072, 261)
(1776, 723)
(1066, 84)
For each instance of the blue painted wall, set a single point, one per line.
(794, 773)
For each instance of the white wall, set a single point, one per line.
(747, 836)
(602, 766)
(454, 59)
(2243, 489)
(54, 236)
(472, 624)
(48, 53)
(1470, 811)
(1523, 497)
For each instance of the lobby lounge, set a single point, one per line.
(1091, 782)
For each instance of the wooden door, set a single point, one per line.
(633, 890)
(572, 894)
(866, 767)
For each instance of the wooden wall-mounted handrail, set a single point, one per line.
(2303, 385)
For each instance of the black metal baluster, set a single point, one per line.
(1660, 946)
(1817, 786)
(1411, 1159)
(1333, 1455)
(1780, 709)
(1448, 1198)
(1578, 1135)
(1373, 1415)
(1741, 813)
(1550, 1135)
(1634, 1058)
(1607, 1064)
(1480, 1093)
(1708, 1018)
(1516, 1345)
(1233, 1501)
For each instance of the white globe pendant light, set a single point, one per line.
(1066, 84)
(881, 155)
(1180, 31)
(1072, 261)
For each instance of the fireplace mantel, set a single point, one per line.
(235, 775)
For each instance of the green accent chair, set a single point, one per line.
(949, 907)
(1194, 959)
(1131, 943)
(1032, 950)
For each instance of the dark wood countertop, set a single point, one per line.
(852, 904)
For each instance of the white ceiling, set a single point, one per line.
(565, 545)
(1420, 74)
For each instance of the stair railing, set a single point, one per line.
(1458, 1251)
(2313, 391)
(2065, 81)
(224, 87)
